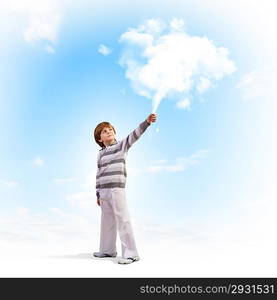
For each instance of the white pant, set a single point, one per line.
(115, 217)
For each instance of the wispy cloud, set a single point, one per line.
(161, 161)
(181, 164)
(163, 61)
(9, 183)
(104, 50)
(43, 20)
(87, 181)
(257, 83)
(38, 162)
(184, 103)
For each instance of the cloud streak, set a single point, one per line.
(257, 83)
(181, 164)
(9, 183)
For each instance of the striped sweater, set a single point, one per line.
(111, 161)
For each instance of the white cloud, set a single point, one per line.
(104, 50)
(42, 28)
(184, 103)
(165, 61)
(9, 183)
(38, 162)
(177, 24)
(203, 85)
(181, 164)
(257, 83)
(43, 20)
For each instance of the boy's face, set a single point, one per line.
(107, 136)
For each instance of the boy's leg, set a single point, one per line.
(108, 228)
(123, 223)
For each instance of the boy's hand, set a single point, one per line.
(98, 202)
(151, 118)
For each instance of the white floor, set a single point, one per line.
(163, 259)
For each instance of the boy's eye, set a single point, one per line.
(106, 130)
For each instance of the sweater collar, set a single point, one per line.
(105, 147)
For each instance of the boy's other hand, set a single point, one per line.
(151, 118)
(98, 202)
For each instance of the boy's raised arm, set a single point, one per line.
(136, 134)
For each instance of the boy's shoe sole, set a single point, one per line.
(129, 260)
(103, 255)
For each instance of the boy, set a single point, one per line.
(110, 190)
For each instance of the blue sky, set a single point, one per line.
(52, 99)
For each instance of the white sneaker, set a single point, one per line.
(102, 255)
(129, 260)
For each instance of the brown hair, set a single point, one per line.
(97, 132)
